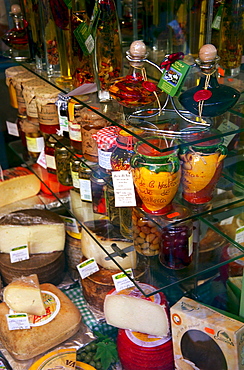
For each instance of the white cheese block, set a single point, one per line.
(110, 238)
(24, 295)
(128, 309)
(19, 183)
(41, 230)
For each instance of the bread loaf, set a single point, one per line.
(27, 343)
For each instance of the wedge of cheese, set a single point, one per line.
(24, 295)
(130, 309)
(18, 183)
(42, 231)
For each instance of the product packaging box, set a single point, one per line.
(204, 339)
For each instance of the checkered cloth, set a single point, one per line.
(106, 137)
(76, 296)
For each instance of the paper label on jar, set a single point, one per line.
(48, 115)
(85, 190)
(35, 144)
(31, 109)
(21, 101)
(74, 131)
(12, 128)
(20, 253)
(50, 161)
(124, 191)
(121, 280)
(75, 179)
(239, 237)
(87, 268)
(18, 321)
(104, 159)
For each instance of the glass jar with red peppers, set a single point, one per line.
(99, 180)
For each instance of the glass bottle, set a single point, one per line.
(63, 156)
(74, 168)
(108, 46)
(62, 106)
(81, 67)
(99, 181)
(17, 37)
(209, 98)
(85, 172)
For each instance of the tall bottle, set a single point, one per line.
(81, 67)
(108, 47)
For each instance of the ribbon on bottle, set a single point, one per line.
(170, 59)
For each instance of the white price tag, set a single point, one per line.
(20, 253)
(85, 190)
(121, 280)
(18, 321)
(227, 221)
(239, 238)
(12, 128)
(41, 160)
(70, 224)
(87, 268)
(124, 191)
(227, 126)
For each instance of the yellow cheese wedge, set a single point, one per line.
(24, 295)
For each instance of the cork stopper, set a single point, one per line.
(15, 9)
(138, 49)
(207, 53)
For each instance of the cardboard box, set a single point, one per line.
(205, 339)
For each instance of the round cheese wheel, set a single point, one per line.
(49, 267)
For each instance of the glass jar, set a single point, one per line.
(123, 151)
(18, 85)
(47, 111)
(29, 94)
(74, 167)
(99, 181)
(85, 172)
(106, 139)
(62, 106)
(10, 73)
(176, 242)
(74, 124)
(50, 143)
(62, 159)
(33, 136)
(91, 123)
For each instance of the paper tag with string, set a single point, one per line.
(173, 78)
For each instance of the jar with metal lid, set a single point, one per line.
(34, 138)
(47, 111)
(74, 124)
(63, 156)
(10, 74)
(74, 168)
(85, 172)
(18, 85)
(62, 106)
(123, 151)
(91, 123)
(106, 141)
(29, 88)
(99, 180)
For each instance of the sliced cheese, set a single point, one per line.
(136, 313)
(19, 183)
(41, 230)
(24, 295)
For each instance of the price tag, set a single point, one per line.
(239, 237)
(20, 253)
(87, 268)
(12, 128)
(227, 126)
(41, 160)
(71, 224)
(18, 321)
(227, 221)
(121, 280)
(84, 38)
(124, 191)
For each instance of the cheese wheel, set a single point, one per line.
(19, 183)
(130, 309)
(49, 267)
(42, 231)
(27, 343)
(24, 295)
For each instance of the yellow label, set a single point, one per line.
(64, 359)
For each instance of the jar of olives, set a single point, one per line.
(63, 156)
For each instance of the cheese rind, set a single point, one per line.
(19, 183)
(41, 230)
(136, 313)
(24, 295)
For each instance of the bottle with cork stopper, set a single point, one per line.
(209, 98)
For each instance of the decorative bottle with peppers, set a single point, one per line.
(81, 66)
(134, 89)
(17, 37)
(209, 98)
(108, 46)
(202, 164)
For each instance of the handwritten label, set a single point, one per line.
(124, 191)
